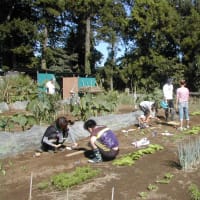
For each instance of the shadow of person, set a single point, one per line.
(173, 164)
(88, 153)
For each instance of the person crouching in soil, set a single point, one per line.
(149, 109)
(103, 141)
(56, 134)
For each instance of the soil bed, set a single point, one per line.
(128, 181)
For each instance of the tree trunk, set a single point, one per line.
(14, 62)
(113, 63)
(87, 48)
(43, 62)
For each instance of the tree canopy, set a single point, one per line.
(161, 39)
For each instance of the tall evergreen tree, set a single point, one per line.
(111, 27)
(50, 24)
(17, 34)
(154, 27)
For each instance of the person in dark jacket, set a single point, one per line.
(56, 134)
(103, 141)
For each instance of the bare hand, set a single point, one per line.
(58, 145)
(74, 145)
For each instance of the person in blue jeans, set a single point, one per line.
(182, 103)
(103, 141)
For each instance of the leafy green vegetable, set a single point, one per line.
(129, 159)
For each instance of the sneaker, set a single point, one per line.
(187, 126)
(180, 128)
(95, 160)
(40, 150)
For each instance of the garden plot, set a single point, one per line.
(152, 176)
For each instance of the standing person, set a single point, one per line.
(56, 134)
(149, 109)
(168, 97)
(182, 101)
(50, 86)
(103, 141)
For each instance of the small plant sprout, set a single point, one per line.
(143, 195)
(10, 163)
(2, 170)
(152, 187)
(167, 178)
(194, 192)
(43, 185)
(23, 168)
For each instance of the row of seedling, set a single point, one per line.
(129, 159)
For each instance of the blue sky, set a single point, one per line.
(102, 47)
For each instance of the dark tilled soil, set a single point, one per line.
(118, 183)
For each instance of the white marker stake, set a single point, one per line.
(113, 190)
(31, 183)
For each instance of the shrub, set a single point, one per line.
(94, 105)
(17, 88)
(44, 107)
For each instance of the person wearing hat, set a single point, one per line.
(168, 98)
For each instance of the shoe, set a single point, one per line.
(40, 150)
(180, 128)
(95, 160)
(142, 126)
(187, 126)
(97, 157)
